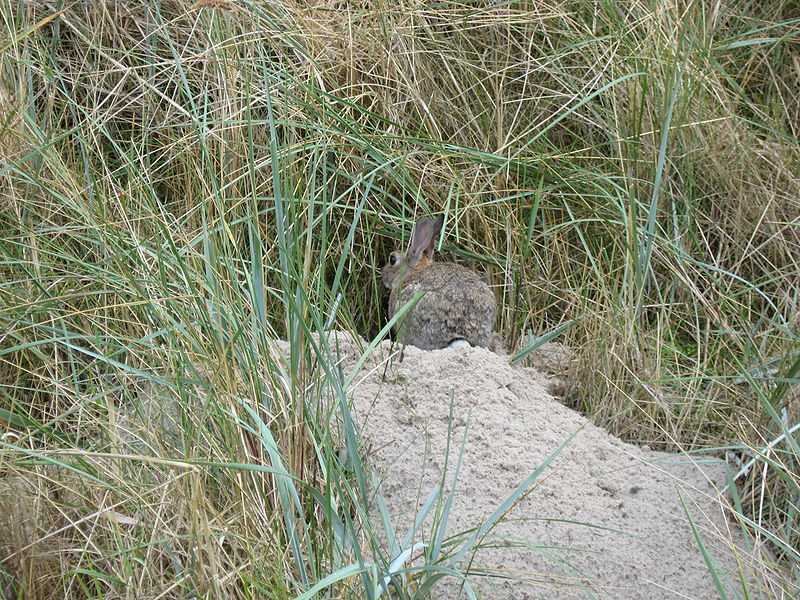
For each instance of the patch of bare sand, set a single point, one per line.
(603, 520)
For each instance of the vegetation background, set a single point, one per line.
(183, 183)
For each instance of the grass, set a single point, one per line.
(184, 184)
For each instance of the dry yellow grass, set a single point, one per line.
(183, 181)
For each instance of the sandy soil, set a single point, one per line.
(604, 520)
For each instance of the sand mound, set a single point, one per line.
(604, 520)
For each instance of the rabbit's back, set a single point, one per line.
(457, 304)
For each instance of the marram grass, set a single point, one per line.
(184, 183)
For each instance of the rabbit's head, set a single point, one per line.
(419, 254)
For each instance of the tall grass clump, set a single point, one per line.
(185, 184)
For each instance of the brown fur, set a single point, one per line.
(457, 303)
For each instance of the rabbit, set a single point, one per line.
(457, 305)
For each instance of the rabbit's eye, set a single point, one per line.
(392, 259)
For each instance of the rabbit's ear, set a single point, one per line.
(437, 227)
(421, 239)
